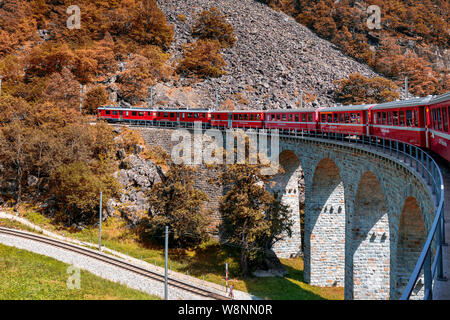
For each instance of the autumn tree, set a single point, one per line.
(212, 24)
(150, 25)
(202, 59)
(176, 203)
(96, 97)
(253, 219)
(63, 90)
(77, 190)
(358, 89)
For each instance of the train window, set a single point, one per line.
(127, 113)
(395, 118)
(278, 116)
(433, 113)
(172, 115)
(159, 114)
(402, 118)
(303, 117)
(439, 119)
(258, 117)
(240, 116)
(310, 117)
(347, 117)
(324, 118)
(245, 117)
(297, 118)
(330, 118)
(272, 117)
(290, 117)
(141, 113)
(341, 117)
(353, 118)
(409, 118)
(235, 117)
(389, 118)
(108, 112)
(335, 118)
(284, 116)
(114, 113)
(416, 118)
(212, 117)
(166, 114)
(189, 115)
(384, 118)
(196, 115)
(445, 118)
(134, 113)
(250, 117)
(149, 113)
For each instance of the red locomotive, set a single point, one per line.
(423, 122)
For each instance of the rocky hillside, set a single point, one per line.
(273, 60)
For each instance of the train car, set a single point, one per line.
(221, 119)
(188, 117)
(116, 114)
(246, 119)
(293, 119)
(345, 120)
(401, 120)
(438, 125)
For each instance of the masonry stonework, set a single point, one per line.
(366, 215)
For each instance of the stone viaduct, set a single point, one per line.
(366, 215)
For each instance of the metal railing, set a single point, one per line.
(415, 159)
(424, 165)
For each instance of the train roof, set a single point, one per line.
(441, 98)
(404, 103)
(150, 109)
(291, 110)
(231, 111)
(347, 108)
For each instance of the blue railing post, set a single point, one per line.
(427, 275)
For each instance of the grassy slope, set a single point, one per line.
(27, 275)
(207, 260)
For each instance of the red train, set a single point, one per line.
(423, 122)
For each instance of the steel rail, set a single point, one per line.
(114, 262)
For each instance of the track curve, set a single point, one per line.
(115, 262)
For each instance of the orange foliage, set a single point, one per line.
(203, 59)
(211, 24)
(358, 89)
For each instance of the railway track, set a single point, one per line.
(115, 262)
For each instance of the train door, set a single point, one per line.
(230, 120)
(367, 122)
(178, 118)
(121, 115)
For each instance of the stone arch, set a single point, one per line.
(411, 239)
(289, 184)
(325, 227)
(368, 268)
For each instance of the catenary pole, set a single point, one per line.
(166, 249)
(100, 224)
